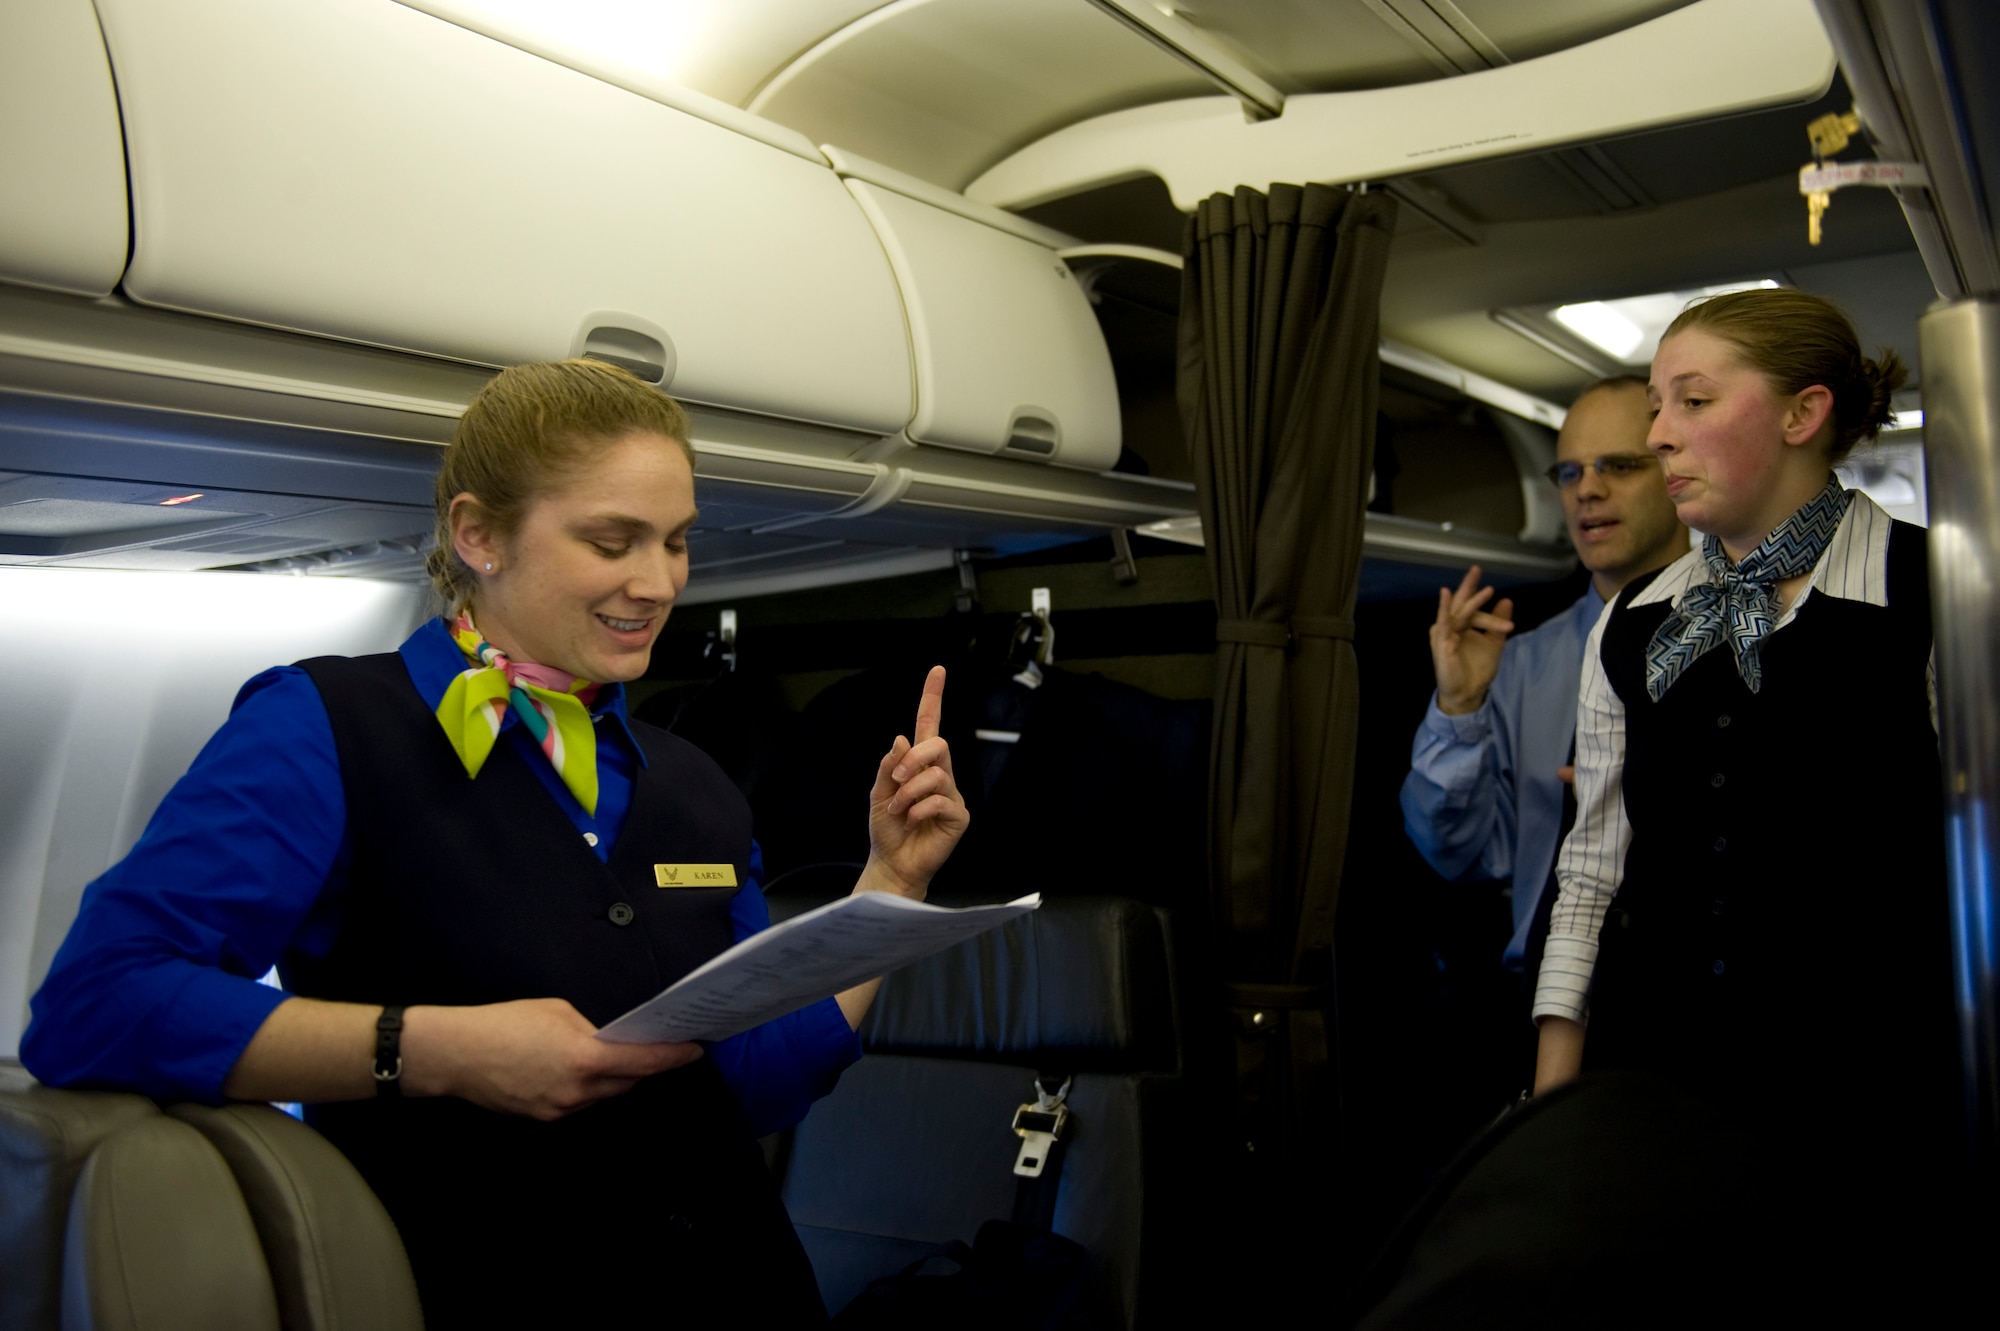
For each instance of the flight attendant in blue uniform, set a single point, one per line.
(451, 852)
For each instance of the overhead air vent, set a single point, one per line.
(399, 561)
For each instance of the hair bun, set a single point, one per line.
(1883, 375)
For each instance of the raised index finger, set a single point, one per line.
(931, 708)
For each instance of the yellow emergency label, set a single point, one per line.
(695, 875)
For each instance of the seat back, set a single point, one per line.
(914, 1148)
(45, 1138)
(335, 1259)
(158, 1239)
(115, 1215)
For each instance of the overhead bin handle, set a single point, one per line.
(630, 343)
(1033, 432)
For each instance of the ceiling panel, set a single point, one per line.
(725, 48)
(1438, 294)
(1312, 45)
(737, 45)
(1523, 31)
(1722, 154)
(1661, 167)
(942, 89)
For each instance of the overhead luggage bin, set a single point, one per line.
(373, 173)
(945, 500)
(63, 209)
(1009, 356)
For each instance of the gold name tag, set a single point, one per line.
(695, 875)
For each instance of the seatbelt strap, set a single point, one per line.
(1042, 1126)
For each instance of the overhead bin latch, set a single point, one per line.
(630, 343)
(1033, 432)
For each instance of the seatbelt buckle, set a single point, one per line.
(1040, 1126)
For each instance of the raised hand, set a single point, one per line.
(915, 813)
(1466, 642)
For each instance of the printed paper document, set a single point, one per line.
(803, 960)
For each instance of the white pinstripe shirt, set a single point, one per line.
(1591, 864)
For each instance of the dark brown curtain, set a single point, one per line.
(1278, 381)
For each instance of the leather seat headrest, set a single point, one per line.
(333, 1251)
(1083, 984)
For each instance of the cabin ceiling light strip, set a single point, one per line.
(1535, 329)
(1629, 330)
(1707, 59)
(1160, 25)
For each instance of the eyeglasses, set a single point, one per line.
(1566, 475)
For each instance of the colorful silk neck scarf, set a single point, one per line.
(1740, 603)
(553, 705)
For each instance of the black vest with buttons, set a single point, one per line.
(1781, 923)
(468, 892)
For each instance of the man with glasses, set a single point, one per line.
(1485, 794)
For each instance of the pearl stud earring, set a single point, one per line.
(489, 568)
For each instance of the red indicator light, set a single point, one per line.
(179, 499)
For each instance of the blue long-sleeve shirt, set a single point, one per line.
(245, 864)
(1482, 799)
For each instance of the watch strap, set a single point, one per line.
(389, 1051)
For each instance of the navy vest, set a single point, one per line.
(482, 891)
(1782, 920)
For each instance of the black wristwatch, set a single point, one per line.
(389, 1051)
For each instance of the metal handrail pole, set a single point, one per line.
(1961, 387)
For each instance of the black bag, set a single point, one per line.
(1012, 1277)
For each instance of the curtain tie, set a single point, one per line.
(1263, 633)
(553, 705)
(1739, 603)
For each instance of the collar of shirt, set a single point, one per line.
(1854, 566)
(434, 660)
(1589, 606)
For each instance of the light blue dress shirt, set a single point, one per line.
(1483, 799)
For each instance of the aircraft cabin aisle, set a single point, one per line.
(947, 289)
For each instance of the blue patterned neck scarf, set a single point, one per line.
(1740, 603)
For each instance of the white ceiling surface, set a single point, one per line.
(945, 88)
(1439, 294)
(1720, 57)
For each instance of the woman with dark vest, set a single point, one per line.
(451, 853)
(1752, 904)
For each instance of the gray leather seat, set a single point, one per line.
(158, 1237)
(915, 1147)
(46, 1136)
(115, 1215)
